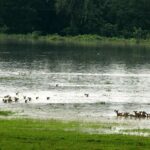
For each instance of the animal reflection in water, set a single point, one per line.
(136, 114)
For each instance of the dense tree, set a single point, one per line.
(126, 18)
(17, 16)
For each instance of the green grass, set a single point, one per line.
(26, 134)
(84, 40)
(5, 113)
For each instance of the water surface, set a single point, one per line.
(83, 81)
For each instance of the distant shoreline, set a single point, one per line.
(81, 40)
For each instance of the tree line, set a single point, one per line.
(111, 18)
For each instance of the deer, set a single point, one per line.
(7, 96)
(5, 100)
(126, 114)
(119, 114)
(16, 99)
(143, 114)
(137, 114)
(148, 115)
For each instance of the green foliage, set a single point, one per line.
(126, 18)
(5, 113)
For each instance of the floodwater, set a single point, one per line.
(81, 82)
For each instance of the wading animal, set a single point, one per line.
(119, 114)
(137, 114)
(16, 99)
(148, 115)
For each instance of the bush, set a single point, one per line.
(36, 34)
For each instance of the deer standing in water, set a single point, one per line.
(148, 115)
(119, 114)
(143, 114)
(137, 114)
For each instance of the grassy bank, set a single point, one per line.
(51, 135)
(91, 40)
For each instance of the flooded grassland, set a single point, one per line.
(77, 83)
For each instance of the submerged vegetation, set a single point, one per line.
(51, 134)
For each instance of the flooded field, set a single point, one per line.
(68, 82)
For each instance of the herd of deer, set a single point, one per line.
(140, 114)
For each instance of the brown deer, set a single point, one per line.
(126, 114)
(16, 99)
(5, 100)
(143, 114)
(119, 114)
(9, 100)
(148, 115)
(137, 114)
